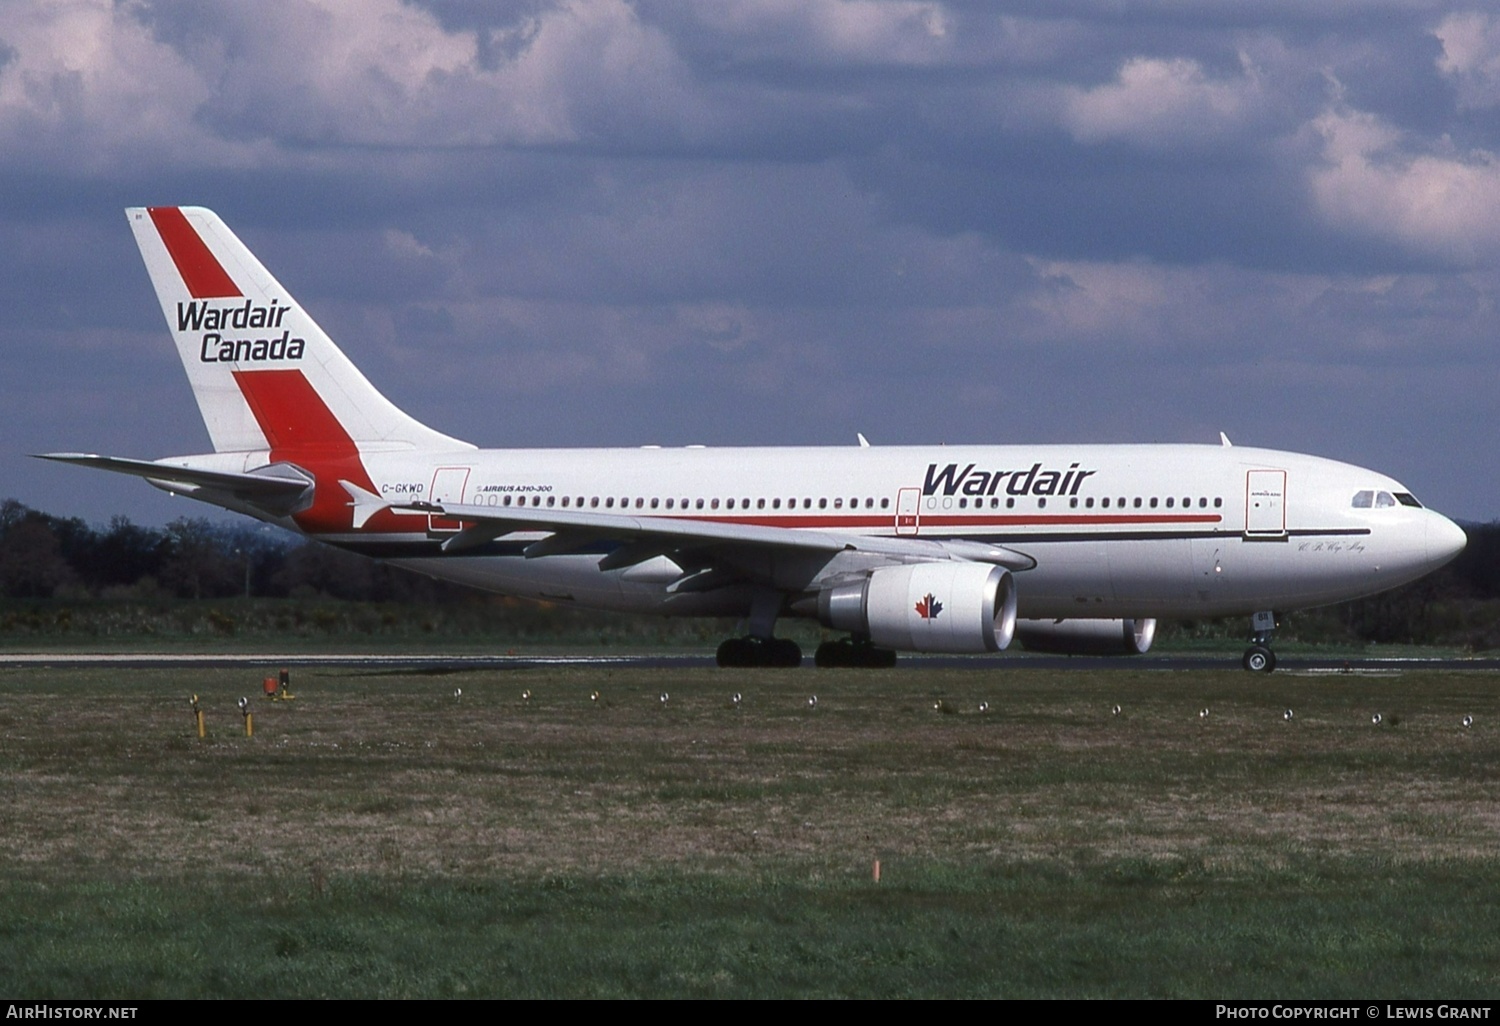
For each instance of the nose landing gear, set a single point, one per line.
(1259, 658)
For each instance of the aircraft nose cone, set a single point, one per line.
(1445, 539)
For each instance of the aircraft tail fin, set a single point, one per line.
(266, 377)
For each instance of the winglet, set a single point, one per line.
(864, 443)
(1224, 440)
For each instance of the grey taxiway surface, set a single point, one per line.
(458, 662)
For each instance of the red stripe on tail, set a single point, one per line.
(201, 272)
(301, 429)
(292, 415)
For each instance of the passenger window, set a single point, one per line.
(838, 503)
(1153, 502)
(1041, 504)
(885, 503)
(1089, 502)
(655, 503)
(714, 504)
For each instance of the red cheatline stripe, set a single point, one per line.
(200, 269)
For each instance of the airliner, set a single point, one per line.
(946, 549)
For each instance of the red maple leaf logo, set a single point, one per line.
(929, 607)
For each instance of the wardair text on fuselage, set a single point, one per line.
(1032, 481)
(221, 327)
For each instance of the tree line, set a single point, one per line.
(48, 557)
(44, 557)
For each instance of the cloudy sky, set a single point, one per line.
(600, 222)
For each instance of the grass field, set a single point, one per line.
(379, 836)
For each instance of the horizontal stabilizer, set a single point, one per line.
(276, 485)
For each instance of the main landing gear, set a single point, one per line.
(753, 651)
(760, 648)
(851, 653)
(1259, 658)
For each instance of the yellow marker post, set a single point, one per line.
(198, 716)
(249, 717)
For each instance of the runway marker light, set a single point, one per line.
(269, 687)
(1287, 715)
(593, 696)
(458, 693)
(984, 707)
(735, 699)
(1468, 722)
(1115, 711)
(1377, 719)
(664, 697)
(812, 703)
(244, 704)
(526, 695)
(938, 705)
(875, 871)
(1203, 713)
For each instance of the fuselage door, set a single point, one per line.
(908, 510)
(1265, 504)
(447, 486)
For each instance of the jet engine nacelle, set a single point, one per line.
(927, 607)
(1087, 637)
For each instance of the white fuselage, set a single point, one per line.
(1114, 530)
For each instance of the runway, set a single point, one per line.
(441, 662)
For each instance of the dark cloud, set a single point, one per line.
(594, 222)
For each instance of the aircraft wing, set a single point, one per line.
(275, 482)
(574, 529)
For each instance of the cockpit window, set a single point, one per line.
(1371, 499)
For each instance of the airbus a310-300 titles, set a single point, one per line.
(953, 549)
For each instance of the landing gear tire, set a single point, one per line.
(747, 652)
(861, 655)
(1259, 659)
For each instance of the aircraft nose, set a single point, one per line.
(1445, 539)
